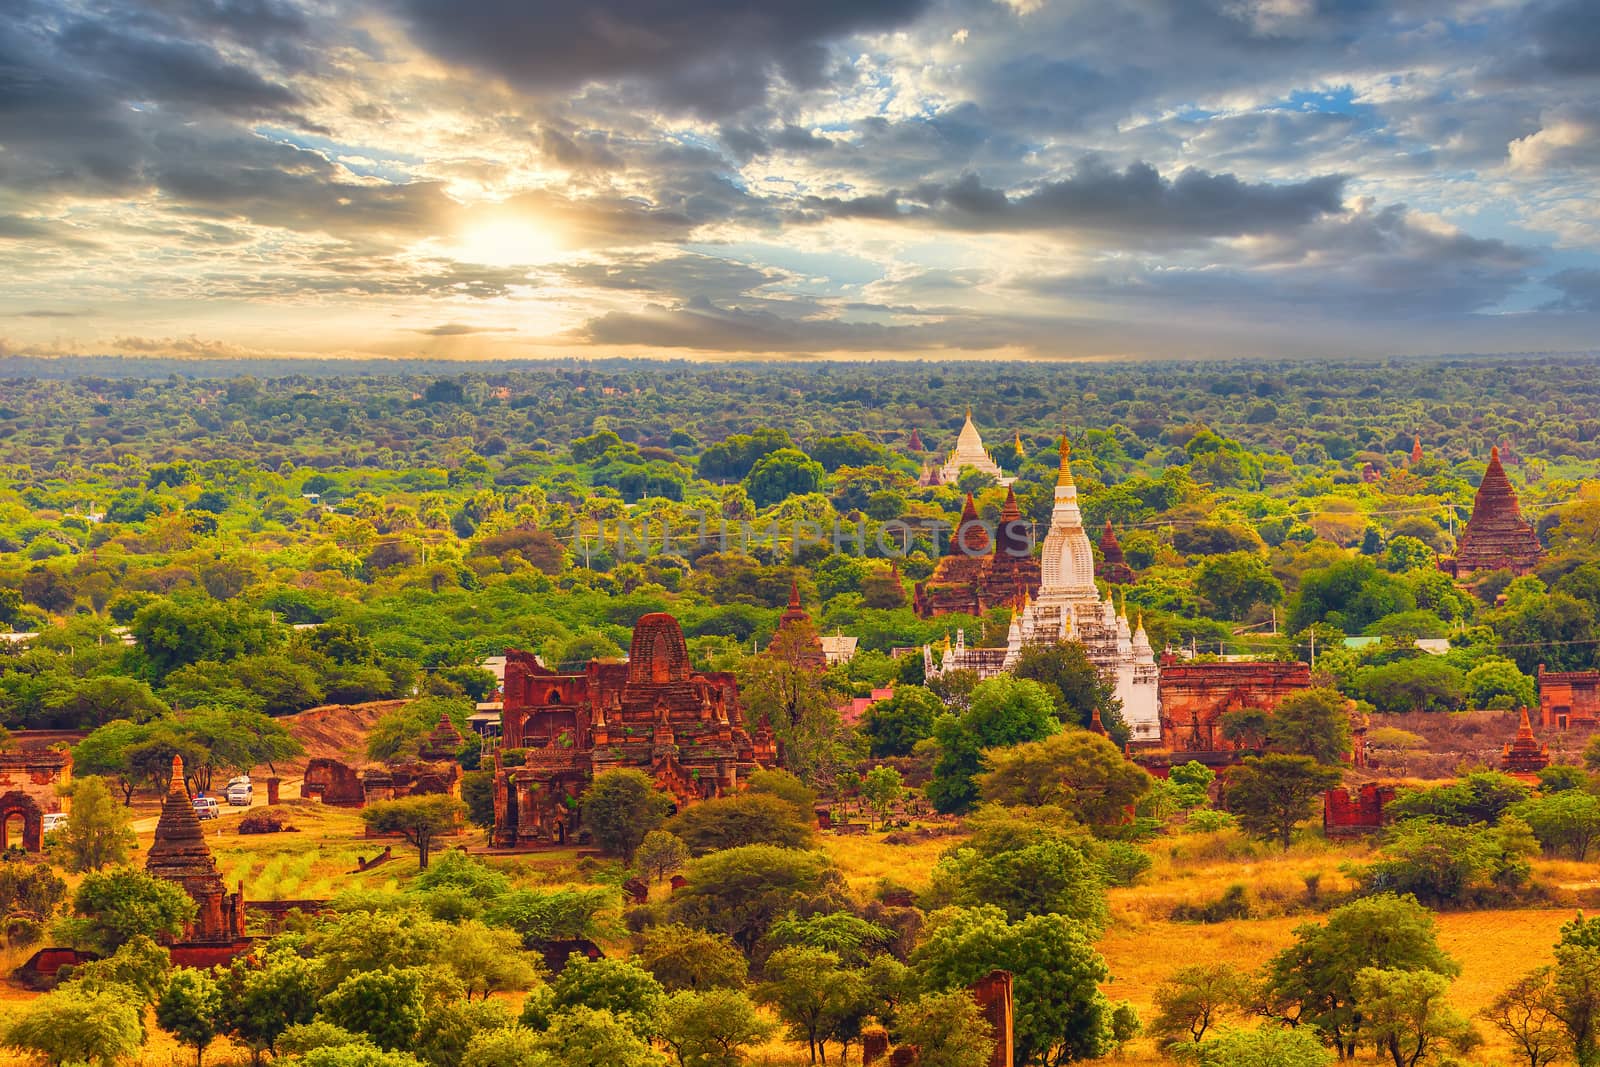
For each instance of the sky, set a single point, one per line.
(938, 179)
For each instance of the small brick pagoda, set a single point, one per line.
(1524, 755)
(655, 713)
(1568, 698)
(973, 576)
(1114, 565)
(179, 854)
(442, 745)
(1497, 537)
(796, 638)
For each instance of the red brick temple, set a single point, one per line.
(179, 854)
(1524, 756)
(973, 576)
(1114, 566)
(1346, 814)
(1568, 698)
(1416, 450)
(1195, 697)
(655, 713)
(796, 638)
(914, 444)
(1497, 537)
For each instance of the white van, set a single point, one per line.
(55, 820)
(240, 793)
(206, 808)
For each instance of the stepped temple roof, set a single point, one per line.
(1524, 754)
(1497, 537)
(1115, 566)
(180, 854)
(975, 573)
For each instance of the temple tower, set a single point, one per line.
(179, 854)
(1497, 537)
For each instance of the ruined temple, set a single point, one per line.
(1195, 697)
(31, 779)
(974, 575)
(1497, 537)
(442, 745)
(796, 638)
(179, 854)
(1568, 698)
(1113, 565)
(1524, 756)
(655, 713)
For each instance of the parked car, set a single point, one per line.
(206, 808)
(55, 820)
(240, 793)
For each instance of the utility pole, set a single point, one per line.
(1313, 663)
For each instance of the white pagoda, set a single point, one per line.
(970, 454)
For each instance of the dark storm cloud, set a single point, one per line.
(1136, 202)
(1580, 290)
(713, 57)
(1564, 37)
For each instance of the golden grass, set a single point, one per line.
(866, 859)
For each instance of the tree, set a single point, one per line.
(1233, 583)
(853, 939)
(1526, 1014)
(1267, 1047)
(1192, 999)
(682, 957)
(1423, 683)
(554, 915)
(107, 752)
(1060, 1014)
(812, 992)
(1076, 686)
(397, 734)
(1312, 722)
(190, 1009)
(263, 998)
(420, 820)
(1313, 981)
(1272, 794)
(112, 907)
(1076, 770)
(1446, 866)
(93, 702)
(583, 1036)
(782, 474)
(629, 992)
(477, 793)
(660, 854)
(949, 1030)
(178, 631)
(882, 788)
(1496, 682)
(1247, 728)
(1479, 797)
(99, 833)
(742, 819)
(385, 1005)
(1568, 820)
(1053, 876)
(741, 891)
(711, 1029)
(29, 896)
(489, 960)
(1002, 711)
(1405, 1013)
(72, 1027)
(1575, 998)
(620, 807)
(893, 726)
(453, 1026)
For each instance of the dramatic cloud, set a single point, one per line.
(733, 178)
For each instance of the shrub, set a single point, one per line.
(1233, 904)
(265, 822)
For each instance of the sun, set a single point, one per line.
(507, 242)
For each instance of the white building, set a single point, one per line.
(1069, 608)
(969, 454)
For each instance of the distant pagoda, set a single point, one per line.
(969, 454)
(1525, 755)
(179, 854)
(975, 574)
(1115, 566)
(1416, 450)
(1497, 537)
(914, 443)
(791, 642)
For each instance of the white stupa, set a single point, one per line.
(970, 454)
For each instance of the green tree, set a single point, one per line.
(1193, 999)
(1076, 770)
(1449, 866)
(29, 896)
(742, 819)
(1054, 876)
(107, 752)
(262, 998)
(452, 1027)
(71, 1027)
(715, 1028)
(1233, 583)
(782, 474)
(489, 960)
(112, 907)
(175, 632)
(812, 992)
(1406, 1015)
(1002, 711)
(1060, 1013)
(1423, 683)
(741, 891)
(420, 820)
(1266, 1047)
(621, 987)
(1564, 821)
(882, 788)
(660, 854)
(620, 807)
(1481, 796)
(895, 725)
(477, 793)
(1313, 981)
(1497, 683)
(1312, 722)
(1273, 794)
(682, 957)
(190, 1009)
(387, 1006)
(948, 1028)
(99, 833)
(583, 1036)
(1076, 686)
(93, 702)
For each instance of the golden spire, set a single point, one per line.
(1064, 475)
(969, 412)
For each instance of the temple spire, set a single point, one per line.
(794, 594)
(175, 785)
(1064, 474)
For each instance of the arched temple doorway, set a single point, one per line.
(21, 822)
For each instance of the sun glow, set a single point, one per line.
(507, 242)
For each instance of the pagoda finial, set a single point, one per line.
(969, 412)
(794, 594)
(1064, 475)
(176, 784)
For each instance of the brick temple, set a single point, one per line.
(1568, 698)
(796, 638)
(1113, 564)
(179, 854)
(1195, 697)
(655, 713)
(1524, 756)
(974, 575)
(1497, 537)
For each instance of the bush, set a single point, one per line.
(1122, 864)
(1233, 904)
(266, 822)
